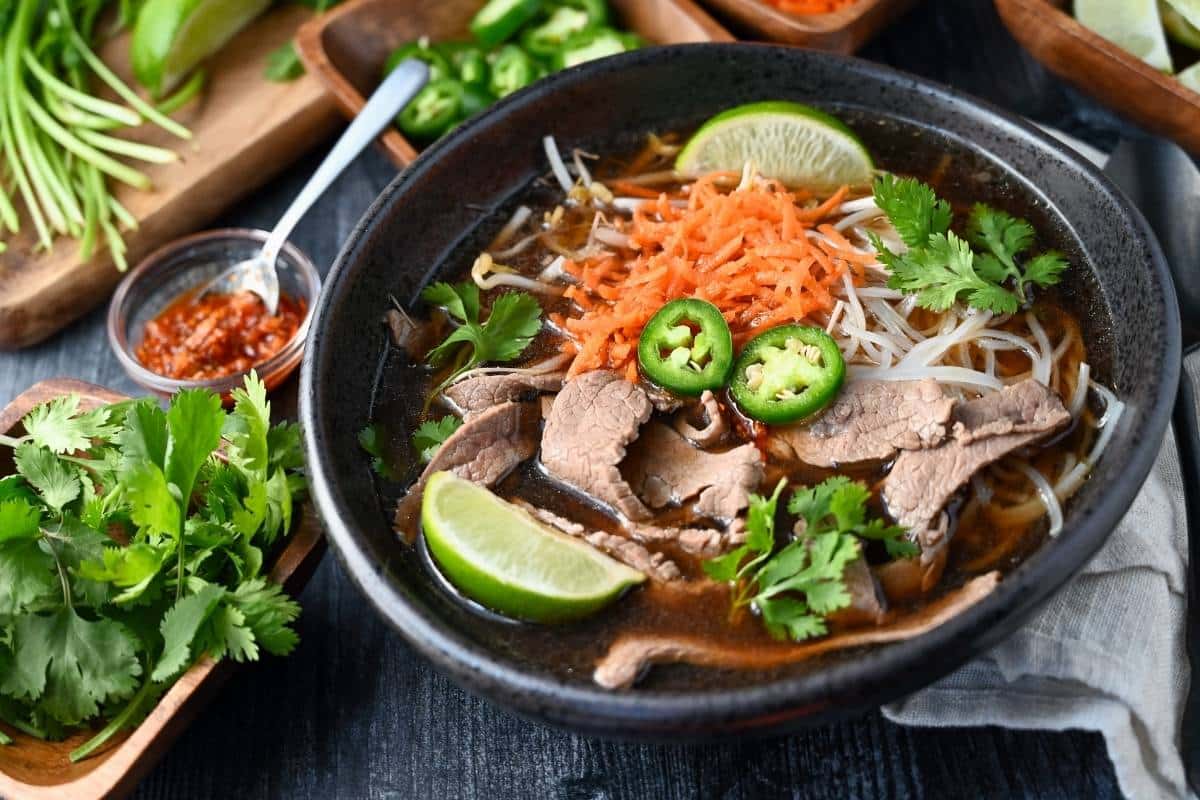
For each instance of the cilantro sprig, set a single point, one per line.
(432, 434)
(797, 586)
(132, 542)
(940, 267)
(515, 318)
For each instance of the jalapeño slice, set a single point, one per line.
(787, 374)
(686, 347)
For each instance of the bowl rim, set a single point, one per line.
(283, 361)
(881, 674)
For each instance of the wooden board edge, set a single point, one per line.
(134, 756)
(311, 47)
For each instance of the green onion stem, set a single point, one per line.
(128, 220)
(124, 147)
(116, 725)
(184, 94)
(85, 151)
(101, 108)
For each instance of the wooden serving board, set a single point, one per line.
(31, 769)
(246, 130)
(347, 47)
(1153, 99)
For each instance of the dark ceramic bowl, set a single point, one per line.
(461, 190)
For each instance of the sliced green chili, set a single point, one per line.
(686, 347)
(787, 374)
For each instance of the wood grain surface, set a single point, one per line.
(246, 129)
(347, 48)
(31, 769)
(1102, 69)
(354, 713)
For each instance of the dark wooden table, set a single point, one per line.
(355, 713)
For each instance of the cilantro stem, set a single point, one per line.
(9, 441)
(27, 728)
(5, 738)
(116, 724)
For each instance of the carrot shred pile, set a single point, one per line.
(810, 6)
(747, 252)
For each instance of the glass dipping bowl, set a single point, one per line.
(186, 264)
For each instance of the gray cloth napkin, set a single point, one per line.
(1105, 654)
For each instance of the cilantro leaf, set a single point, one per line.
(131, 568)
(18, 520)
(760, 539)
(60, 427)
(1045, 269)
(942, 271)
(913, 208)
(432, 433)
(283, 64)
(194, 424)
(152, 505)
(56, 482)
(225, 633)
(179, 628)
(268, 613)
(72, 665)
(515, 318)
(1002, 234)
(26, 575)
(246, 428)
(143, 440)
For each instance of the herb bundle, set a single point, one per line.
(132, 543)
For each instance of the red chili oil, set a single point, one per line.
(216, 335)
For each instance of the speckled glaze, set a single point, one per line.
(454, 187)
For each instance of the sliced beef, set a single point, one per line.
(701, 542)
(593, 419)
(663, 401)
(664, 469)
(985, 430)
(487, 447)
(474, 395)
(869, 421)
(714, 424)
(868, 605)
(655, 566)
(633, 654)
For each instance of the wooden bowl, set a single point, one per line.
(347, 47)
(31, 769)
(1100, 68)
(842, 31)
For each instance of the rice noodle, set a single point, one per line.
(519, 218)
(487, 274)
(854, 219)
(1081, 390)
(519, 247)
(556, 164)
(1041, 367)
(611, 237)
(585, 176)
(838, 308)
(958, 376)
(861, 204)
(881, 292)
(1048, 497)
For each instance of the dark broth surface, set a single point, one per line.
(571, 650)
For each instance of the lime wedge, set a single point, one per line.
(171, 37)
(1181, 18)
(1132, 25)
(500, 556)
(1190, 77)
(793, 143)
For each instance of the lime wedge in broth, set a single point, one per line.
(499, 555)
(1133, 25)
(793, 143)
(173, 36)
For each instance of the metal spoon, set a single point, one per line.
(1162, 180)
(258, 274)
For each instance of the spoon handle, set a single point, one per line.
(392, 95)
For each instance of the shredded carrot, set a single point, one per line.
(810, 6)
(760, 254)
(632, 190)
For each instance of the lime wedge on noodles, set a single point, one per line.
(1181, 19)
(793, 143)
(1132, 25)
(171, 37)
(499, 555)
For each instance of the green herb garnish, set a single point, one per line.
(132, 543)
(516, 317)
(283, 63)
(797, 586)
(940, 267)
(432, 435)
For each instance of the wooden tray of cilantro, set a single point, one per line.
(104, 656)
(348, 47)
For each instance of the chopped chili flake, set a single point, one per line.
(217, 335)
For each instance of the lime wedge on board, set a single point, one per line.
(171, 37)
(1181, 18)
(1132, 25)
(499, 555)
(790, 142)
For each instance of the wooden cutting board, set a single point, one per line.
(246, 130)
